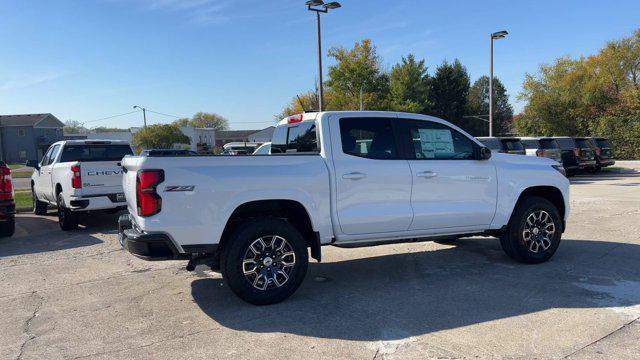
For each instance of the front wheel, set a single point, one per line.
(264, 261)
(67, 219)
(534, 231)
(8, 227)
(39, 207)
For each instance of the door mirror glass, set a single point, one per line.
(485, 153)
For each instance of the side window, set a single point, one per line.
(370, 138)
(436, 141)
(45, 158)
(54, 153)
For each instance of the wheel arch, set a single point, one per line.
(550, 193)
(292, 211)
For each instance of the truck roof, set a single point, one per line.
(94, 142)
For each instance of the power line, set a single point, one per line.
(110, 117)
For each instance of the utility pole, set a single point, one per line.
(144, 114)
(320, 7)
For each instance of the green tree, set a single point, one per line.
(205, 120)
(299, 104)
(356, 70)
(478, 105)
(409, 86)
(74, 127)
(102, 129)
(449, 90)
(159, 136)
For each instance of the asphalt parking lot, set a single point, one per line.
(78, 295)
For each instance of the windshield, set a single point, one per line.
(95, 152)
(603, 143)
(566, 143)
(548, 144)
(583, 143)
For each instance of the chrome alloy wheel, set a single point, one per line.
(538, 231)
(268, 262)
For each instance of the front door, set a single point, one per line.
(451, 189)
(373, 182)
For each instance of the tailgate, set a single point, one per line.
(101, 177)
(130, 165)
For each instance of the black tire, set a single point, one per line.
(571, 173)
(8, 227)
(39, 207)
(237, 248)
(515, 244)
(67, 219)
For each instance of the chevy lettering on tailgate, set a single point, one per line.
(106, 172)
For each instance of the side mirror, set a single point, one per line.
(33, 164)
(485, 153)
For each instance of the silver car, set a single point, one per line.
(542, 147)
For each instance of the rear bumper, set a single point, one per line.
(96, 202)
(147, 246)
(587, 164)
(7, 210)
(606, 162)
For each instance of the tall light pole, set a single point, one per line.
(144, 114)
(320, 7)
(494, 36)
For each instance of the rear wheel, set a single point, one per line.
(265, 261)
(39, 207)
(534, 231)
(8, 227)
(67, 219)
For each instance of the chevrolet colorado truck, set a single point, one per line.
(78, 176)
(347, 179)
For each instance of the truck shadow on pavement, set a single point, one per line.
(399, 295)
(37, 234)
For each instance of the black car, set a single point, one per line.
(509, 145)
(577, 154)
(603, 152)
(7, 203)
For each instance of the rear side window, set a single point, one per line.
(512, 144)
(493, 144)
(566, 143)
(548, 144)
(297, 138)
(603, 143)
(89, 152)
(583, 143)
(368, 138)
(530, 144)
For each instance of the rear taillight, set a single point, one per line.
(147, 198)
(577, 152)
(540, 153)
(76, 177)
(6, 187)
(598, 151)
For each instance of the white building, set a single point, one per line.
(202, 139)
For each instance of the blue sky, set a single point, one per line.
(85, 60)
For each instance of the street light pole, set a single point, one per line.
(144, 114)
(495, 35)
(320, 7)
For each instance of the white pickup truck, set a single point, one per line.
(342, 178)
(78, 176)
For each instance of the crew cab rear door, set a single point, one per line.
(373, 182)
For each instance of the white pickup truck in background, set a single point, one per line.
(78, 176)
(343, 178)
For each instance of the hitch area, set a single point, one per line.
(211, 260)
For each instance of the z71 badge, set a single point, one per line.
(172, 188)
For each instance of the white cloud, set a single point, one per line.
(26, 80)
(197, 11)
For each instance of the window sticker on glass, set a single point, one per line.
(435, 142)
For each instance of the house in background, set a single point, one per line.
(227, 136)
(27, 137)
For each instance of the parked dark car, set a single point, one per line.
(168, 152)
(577, 155)
(508, 145)
(7, 203)
(603, 152)
(542, 147)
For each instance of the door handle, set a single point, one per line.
(354, 176)
(427, 174)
